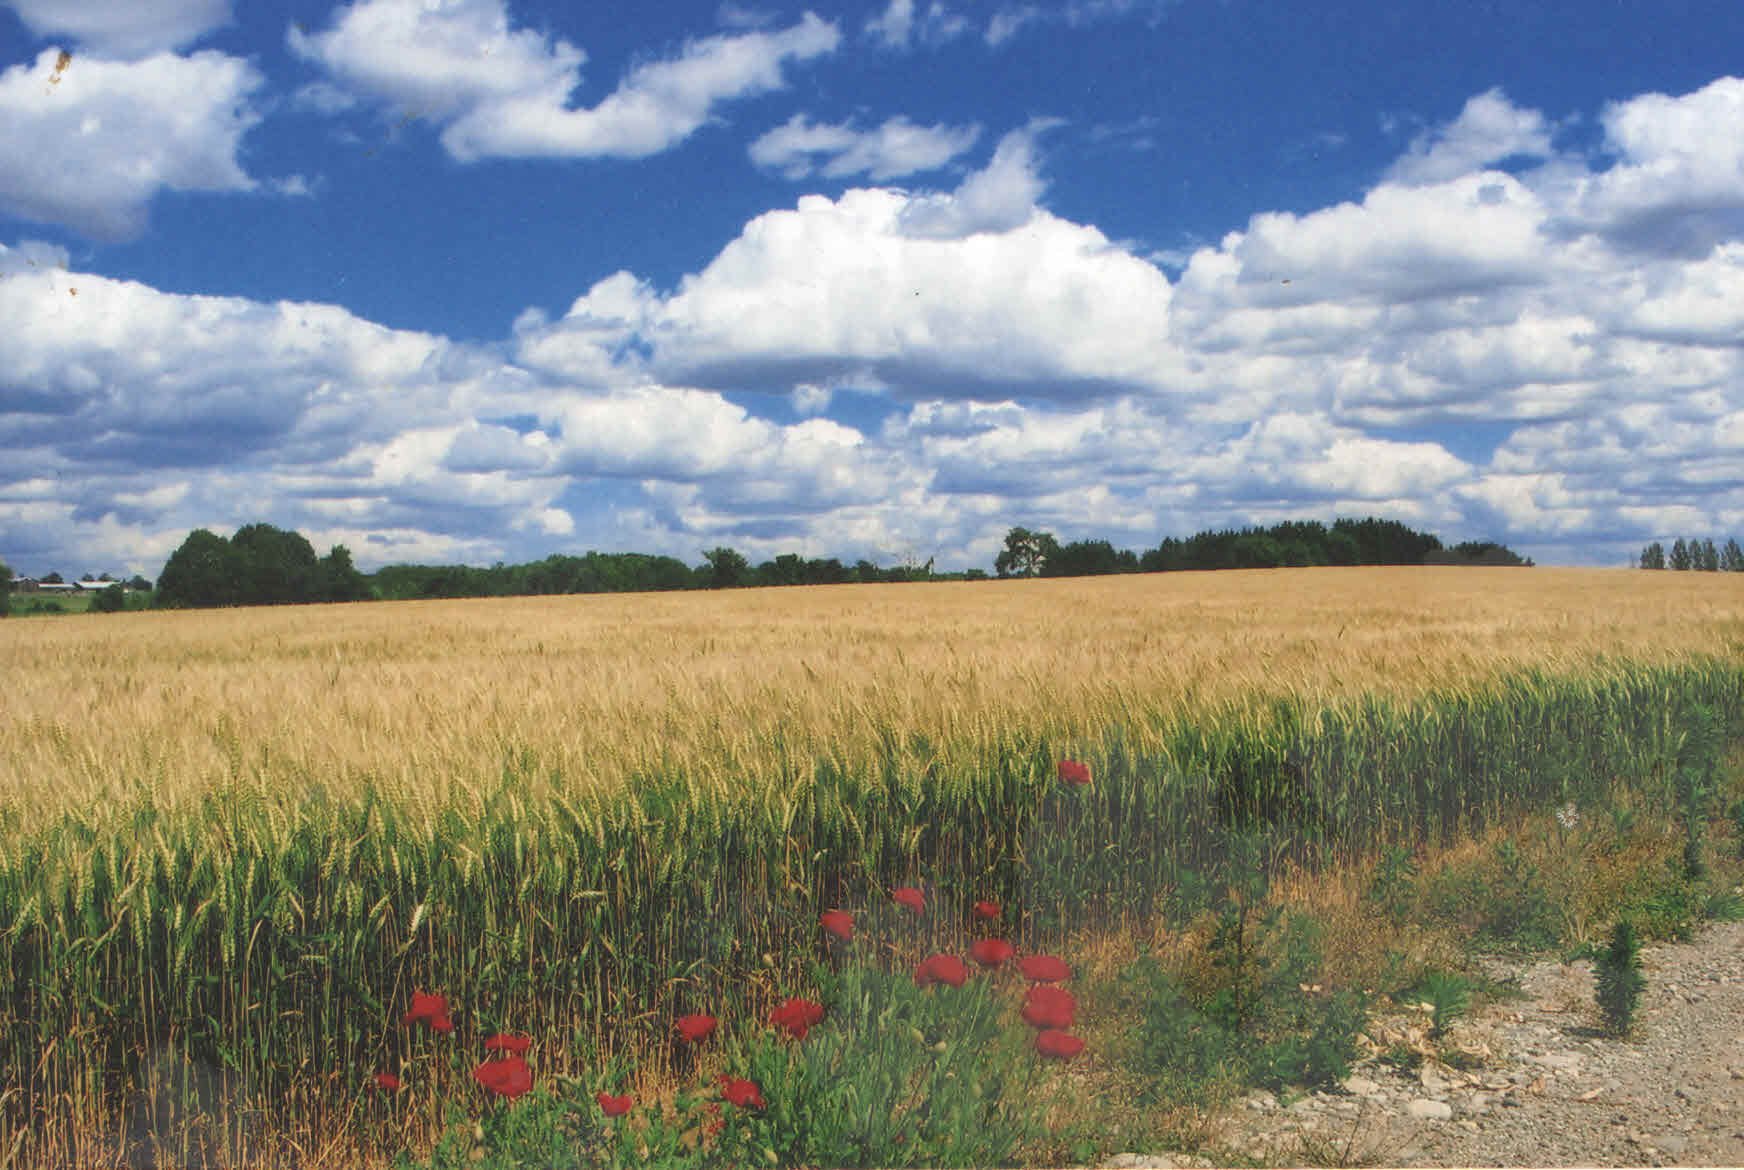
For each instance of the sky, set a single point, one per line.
(471, 281)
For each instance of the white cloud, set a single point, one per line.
(126, 29)
(999, 197)
(841, 292)
(898, 147)
(1490, 129)
(88, 143)
(504, 92)
(903, 23)
(1678, 185)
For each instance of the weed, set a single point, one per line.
(1619, 979)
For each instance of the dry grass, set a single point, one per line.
(426, 698)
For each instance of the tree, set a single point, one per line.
(5, 589)
(275, 566)
(202, 572)
(725, 569)
(1705, 556)
(340, 580)
(1680, 555)
(1089, 558)
(1025, 553)
(138, 584)
(1653, 556)
(1732, 558)
(53, 579)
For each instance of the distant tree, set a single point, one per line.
(725, 568)
(1732, 558)
(5, 589)
(1089, 558)
(138, 584)
(1680, 558)
(1026, 553)
(1477, 552)
(1653, 556)
(202, 572)
(275, 566)
(110, 600)
(339, 578)
(1705, 556)
(53, 579)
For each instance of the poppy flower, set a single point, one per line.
(695, 1029)
(1049, 1007)
(508, 1042)
(988, 911)
(909, 899)
(1072, 772)
(990, 952)
(613, 1106)
(797, 1016)
(429, 1010)
(387, 1082)
(838, 922)
(745, 1094)
(946, 969)
(1057, 1045)
(442, 1024)
(1043, 968)
(507, 1078)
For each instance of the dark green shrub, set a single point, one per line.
(1619, 979)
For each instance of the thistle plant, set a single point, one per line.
(1619, 979)
(1448, 996)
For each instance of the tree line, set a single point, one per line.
(1292, 543)
(1696, 555)
(264, 565)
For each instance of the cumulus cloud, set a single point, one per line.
(1490, 355)
(1678, 185)
(842, 292)
(88, 143)
(1490, 129)
(997, 198)
(800, 147)
(137, 28)
(500, 91)
(902, 23)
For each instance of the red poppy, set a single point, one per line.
(797, 1016)
(1049, 1007)
(508, 1077)
(946, 969)
(1043, 968)
(613, 1106)
(387, 1082)
(745, 1094)
(508, 1042)
(442, 1024)
(909, 898)
(987, 910)
(838, 922)
(1072, 772)
(695, 1029)
(1057, 1045)
(429, 1010)
(990, 952)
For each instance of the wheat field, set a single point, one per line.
(424, 698)
(239, 839)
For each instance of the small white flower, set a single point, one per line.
(1568, 816)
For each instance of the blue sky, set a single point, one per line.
(479, 280)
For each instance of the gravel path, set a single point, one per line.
(1540, 1085)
